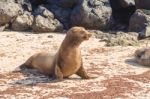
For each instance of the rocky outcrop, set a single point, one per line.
(62, 14)
(56, 15)
(42, 24)
(26, 4)
(45, 21)
(9, 11)
(91, 14)
(121, 13)
(140, 22)
(142, 4)
(23, 22)
(2, 27)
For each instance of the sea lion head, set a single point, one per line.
(147, 54)
(79, 34)
(138, 53)
(142, 53)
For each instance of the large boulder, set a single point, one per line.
(36, 3)
(2, 27)
(9, 11)
(90, 14)
(45, 21)
(42, 24)
(62, 10)
(121, 13)
(23, 22)
(41, 10)
(26, 4)
(142, 4)
(63, 3)
(62, 14)
(139, 22)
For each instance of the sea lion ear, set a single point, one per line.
(72, 30)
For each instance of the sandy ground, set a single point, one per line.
(118, 76)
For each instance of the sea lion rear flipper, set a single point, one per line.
(82, 73)
(19, 68)
(57, 73)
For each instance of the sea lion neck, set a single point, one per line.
(71, 42)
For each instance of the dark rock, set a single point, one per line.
(2, 27)
(26, 5)
(91, 15)
(45, 21)
(67, 3)
(62, 14)
(121, 13)
(145, 33)
(63, 3)
(9, 11)
(36, 3)
(42, 24)
(23, 22)
(50, 36)
(126, 3)
(142, 4)
(41, 10)
(139, 22)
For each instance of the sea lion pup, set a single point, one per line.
(67, 60)
(142, 56)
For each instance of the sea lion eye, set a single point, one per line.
(82, 32)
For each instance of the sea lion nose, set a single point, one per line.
(89, 34)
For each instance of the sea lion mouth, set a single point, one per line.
(87, 36)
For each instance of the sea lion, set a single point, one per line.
(67, 60)
(142, 56)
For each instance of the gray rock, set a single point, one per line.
(142, 4)
(7, 0)
(41, 10)
(62, 14)
(127, 3)
(121, 13)
(67, 3)
(139, 22)
(63, 3)
(9, 11)
(2, 27)
(26, 4)
(145, 32)
(42, 24)
(23, 22)
(91, 14)
(45, 21)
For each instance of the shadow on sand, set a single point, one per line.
(133, 62)
(34, 77)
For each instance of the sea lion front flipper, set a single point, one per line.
(82, 73)
(57, 73)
